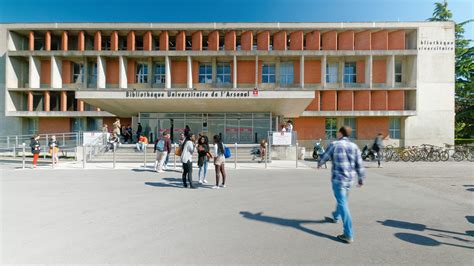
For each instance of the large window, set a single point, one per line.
(223, 73)
(268, 73)
(105, 43)
(395, 128)
(398, 71)
(205, 73)
(286, 73)
(331, 72)
(92, 75)
(159, 76)
(77, 73)
(350, 72)
(352, 123)
(331, 128)
(141, 74)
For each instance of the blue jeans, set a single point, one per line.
(204, 165)
(341, 193)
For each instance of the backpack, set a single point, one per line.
(227, 152)
(160, 145)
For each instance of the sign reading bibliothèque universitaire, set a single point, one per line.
(144, 94)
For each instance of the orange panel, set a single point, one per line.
(197, 41)
(279, 41)
(360, 70)
(179, 72)
(53, 125)
(98, 41)
(328, 99)
(245, 71)
(31, 42)
(396, 100)
(378, 100)
(213, 41)
(380, 40)
(66, 71)
(195, 72)
(263, 41)
(47, 101)
(64, 41)
(344, 101)
(81, 41)
(229, 41)
(314, 105)
(45, 72)
(296, 40)
(379, 71)
(396, 40)
(313, 40)
(346, 40)
(369, 127)
(310, 128)
(181, 41)
(148, 41)
(47, 41)
(131, 71)
(112, 69)
(246, 41)
(362, 100)
(131, 41)
(164, 41)
(362, 40)
(114, 41)
(329, 40)
(312, 72)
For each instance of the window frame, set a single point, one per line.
(162, 73)
(328, 75)
(222, 75)
(398, 74)
(394, 132)
(332, 130)
(141, 76)
(267, 76)
(206, 77)
(353, 126)
(350, 78)
(285, 75)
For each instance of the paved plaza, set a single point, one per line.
(407, 213)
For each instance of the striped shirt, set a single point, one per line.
(346, 161)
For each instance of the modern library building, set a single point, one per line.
(239, 80)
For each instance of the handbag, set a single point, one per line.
(227, 152)
(178, 151)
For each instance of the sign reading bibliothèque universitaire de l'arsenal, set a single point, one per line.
(190, 94)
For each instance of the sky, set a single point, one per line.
(229, 11)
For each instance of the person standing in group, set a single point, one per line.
(116, 125)
(35, 149)
(377, 148)
(187, 130)
(139, 131)
(289, 126)
(263, 149)
(142, 142)
(203, 158)
(181, 139)
(187, 150)
(105, 128)
(219, 161)
(162, 149)
(54, 149)
(346, 166)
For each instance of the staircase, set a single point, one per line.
(127, 153)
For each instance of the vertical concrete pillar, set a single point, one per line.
(98, 41)
(302, 71)
(234, 81)
(277, 73)
(131, 41)
(122, 72)
(150, 71)
(31, 41)
(47, 41)
(340, 72)
(190, 73)
(114, 41)
(80, 106)
(214, 70)
(167, 72)
(34, 72)
(56, 69)
(47, 101)
(391, 71)
(323, 71)
(368, 71)
(256, 71)
(81, 41)
(86, 73)
(63, 101)
(64, 41)
(29, 104)
(101, 65)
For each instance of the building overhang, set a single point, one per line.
(122, 102)
(357, 113)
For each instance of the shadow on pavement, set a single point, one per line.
(296, 224)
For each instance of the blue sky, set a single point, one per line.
(228, 11)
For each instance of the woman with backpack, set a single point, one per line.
(203, 158)
(187, 150)
(219, 161)
(35, 148)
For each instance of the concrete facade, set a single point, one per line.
(401, 73)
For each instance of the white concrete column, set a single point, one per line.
(56, 69)
(150, 72)
(302, 71)
(167, 73)
(340, 72)
(323, 72)
(391, 72)
(214, 71)
(235, 73)
(12, 76)
(277, 72)
(122, 73)
(190, 73)
(368, 71)
(34, 72)
(256, 71)
(101, 65)
(86, 73)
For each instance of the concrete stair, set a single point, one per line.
(128, 153)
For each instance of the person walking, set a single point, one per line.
(162, 149)
(263, 149)
(203, 158)
(54, 149)
(187, 150)
(219, 161)
(377, 148)
(346, 165)
(35, 146)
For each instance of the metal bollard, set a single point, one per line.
(144, 157)
(64, 140)
(84, 155)
(23, 163)
(14, 151)
(296, 154)
(175, 156)
(235, 157)
(8, 142)
(114, 153)
(266, 154)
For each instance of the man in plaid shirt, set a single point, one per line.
(346, 166)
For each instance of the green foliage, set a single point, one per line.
(464, 69)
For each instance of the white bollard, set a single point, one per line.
(24, 155)
(144, 157)
(235, 156)
(266, 154)
(175, 145)
(84, 155)
(297, 154)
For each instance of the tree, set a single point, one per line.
(464, 71)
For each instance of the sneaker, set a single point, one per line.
(345, 239)
(200, 182)
(204, 181)
(222, 186)
(215, 187)
(330, 220)
(160, 171)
